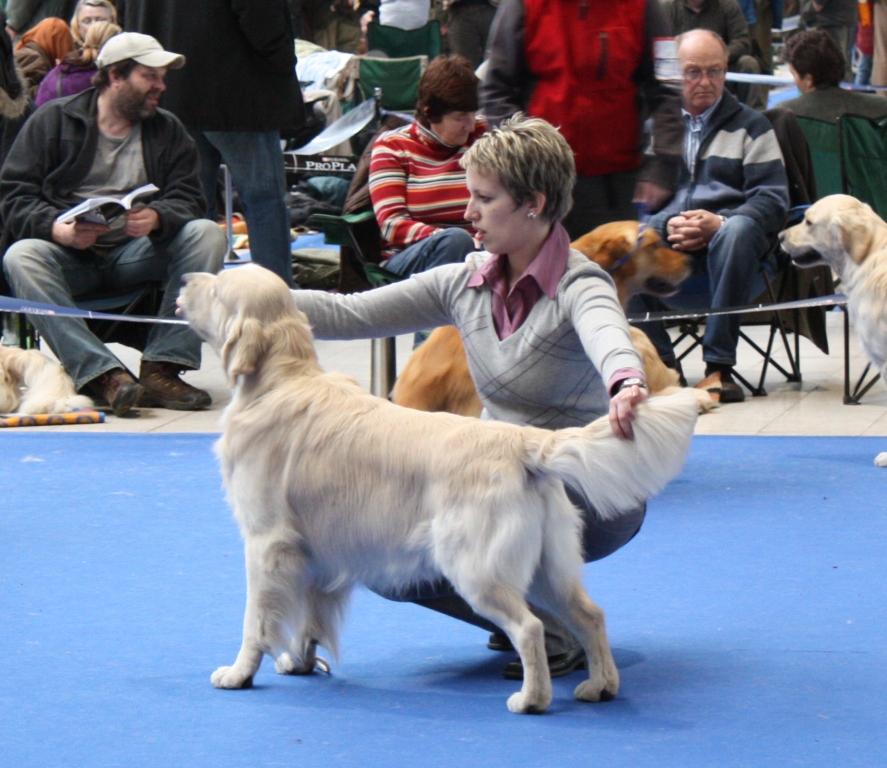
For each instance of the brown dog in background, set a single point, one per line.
(436, 377)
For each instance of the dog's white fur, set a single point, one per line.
(851, 238)
(332, 487)
(31, 382)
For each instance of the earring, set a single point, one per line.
(531, 214)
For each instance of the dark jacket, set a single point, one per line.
(240, 69)
(722, 16)
(54, 151)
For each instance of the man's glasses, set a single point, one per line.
(695, 74)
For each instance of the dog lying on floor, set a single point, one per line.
(436, 377)
(851, 238)
(332, 487)
(31, 382)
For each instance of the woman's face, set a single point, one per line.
(454, 128)
(89, 14)
(501, 225)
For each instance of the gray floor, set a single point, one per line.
(814, 407)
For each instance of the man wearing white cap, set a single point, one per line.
(106, 141)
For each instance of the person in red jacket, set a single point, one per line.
(588, 68)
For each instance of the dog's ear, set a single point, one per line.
(857, 233)
(245, 345)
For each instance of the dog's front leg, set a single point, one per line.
(258, 615)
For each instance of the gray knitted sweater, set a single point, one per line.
(550, 373)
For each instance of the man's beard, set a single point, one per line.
(133, 106)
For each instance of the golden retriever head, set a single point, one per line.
(837, 230)
(637, 263)
(246, 314)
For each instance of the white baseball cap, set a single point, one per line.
(141, 48)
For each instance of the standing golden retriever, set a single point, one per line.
(851, 238)
(332, 487)
(436, 377)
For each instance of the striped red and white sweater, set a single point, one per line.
(416, 185)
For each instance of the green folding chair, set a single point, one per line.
(825, 151)
(397, 43)
(864, 159)
(397, 79)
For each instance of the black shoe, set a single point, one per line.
(559, 664)
(499, 642)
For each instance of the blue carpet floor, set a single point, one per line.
(748, 620)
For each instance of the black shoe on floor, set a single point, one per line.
(499, 642)
(559, 664)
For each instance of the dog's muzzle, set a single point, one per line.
(807, 257)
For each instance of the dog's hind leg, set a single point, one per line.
(506, 608)
(568, 601)
(557, 588)
(320, 619)
(274, 574)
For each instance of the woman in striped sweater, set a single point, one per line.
(416, 183)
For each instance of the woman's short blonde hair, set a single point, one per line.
(528, 155)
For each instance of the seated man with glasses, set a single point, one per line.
(731, 201)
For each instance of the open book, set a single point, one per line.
(101, 210)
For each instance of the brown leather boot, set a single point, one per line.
(117, 388)
(164, 389)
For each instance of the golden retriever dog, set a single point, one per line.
(436, 377)
(333, 487)
(31, 382)
(851, 238)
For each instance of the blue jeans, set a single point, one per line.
(39, 270)
(449, 246)
(726, 274)
(255, 161)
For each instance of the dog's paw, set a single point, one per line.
(287, 665)
(231, 677)
(521, 704)
(881, 459)
(593, 690)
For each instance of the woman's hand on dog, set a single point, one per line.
(623, 410)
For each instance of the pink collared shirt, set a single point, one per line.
(511, 308)
(541, 277)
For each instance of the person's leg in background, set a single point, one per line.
(600, 199)
(199, 246)
(255, 162)
(735, 279)
(468, 28)
(41, 271)
(879, 55)
(449, 246)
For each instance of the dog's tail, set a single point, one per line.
(614, 474)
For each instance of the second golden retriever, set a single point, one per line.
(851, 238)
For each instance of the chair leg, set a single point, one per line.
(861, 386)
(383, 366)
